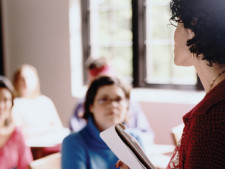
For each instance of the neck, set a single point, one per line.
(5, 130)
(209, 76)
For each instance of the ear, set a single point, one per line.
(190, 33)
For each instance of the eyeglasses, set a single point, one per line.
(107, 100)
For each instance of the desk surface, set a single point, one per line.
(156, 149)
(46, 143)
(157, 154)
(48, 139)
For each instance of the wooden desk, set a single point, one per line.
(39, 152)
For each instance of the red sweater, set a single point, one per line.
(203, 141)
(15, 154)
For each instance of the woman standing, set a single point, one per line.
(13, 151)
(200, 42)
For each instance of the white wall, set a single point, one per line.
(38, 32)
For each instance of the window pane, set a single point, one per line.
(115, 28)
(160, 46)
(111, 34)
(120, 59)
(162, 70)
(158, 67)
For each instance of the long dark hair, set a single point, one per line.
(93, 89)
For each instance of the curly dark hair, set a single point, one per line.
(93, 89)
(206, 18)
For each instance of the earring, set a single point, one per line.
(192, 55)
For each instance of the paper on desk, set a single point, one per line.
(121, 150)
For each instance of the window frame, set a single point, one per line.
(85, 27)
(138, 47)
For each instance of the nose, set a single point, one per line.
(113, 103)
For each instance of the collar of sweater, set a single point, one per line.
(94, 134)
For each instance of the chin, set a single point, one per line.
(183, 62)
(113, 122)
(177, 62)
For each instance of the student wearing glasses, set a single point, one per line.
(101, 66)
(106, 104)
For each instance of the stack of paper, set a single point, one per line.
(125, 147)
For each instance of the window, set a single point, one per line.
(137, 37)
(109, 33)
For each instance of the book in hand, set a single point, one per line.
(126, 147)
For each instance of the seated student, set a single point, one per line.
(36, 113)
(106, 104)
(99, 67)
(13, 151)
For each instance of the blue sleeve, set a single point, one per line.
(73, 153)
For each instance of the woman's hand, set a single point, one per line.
(121, 165)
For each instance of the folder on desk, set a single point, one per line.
(126, 147)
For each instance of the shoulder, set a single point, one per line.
(215, 113)
(17, 132)
(74, 153)
(17, 136)
(44, 98)
(20, 102)
(73, 139)
(218, 107)
(210, 109)
(210, 123)
(73, 145)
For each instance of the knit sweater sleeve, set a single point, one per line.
(206, 148)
